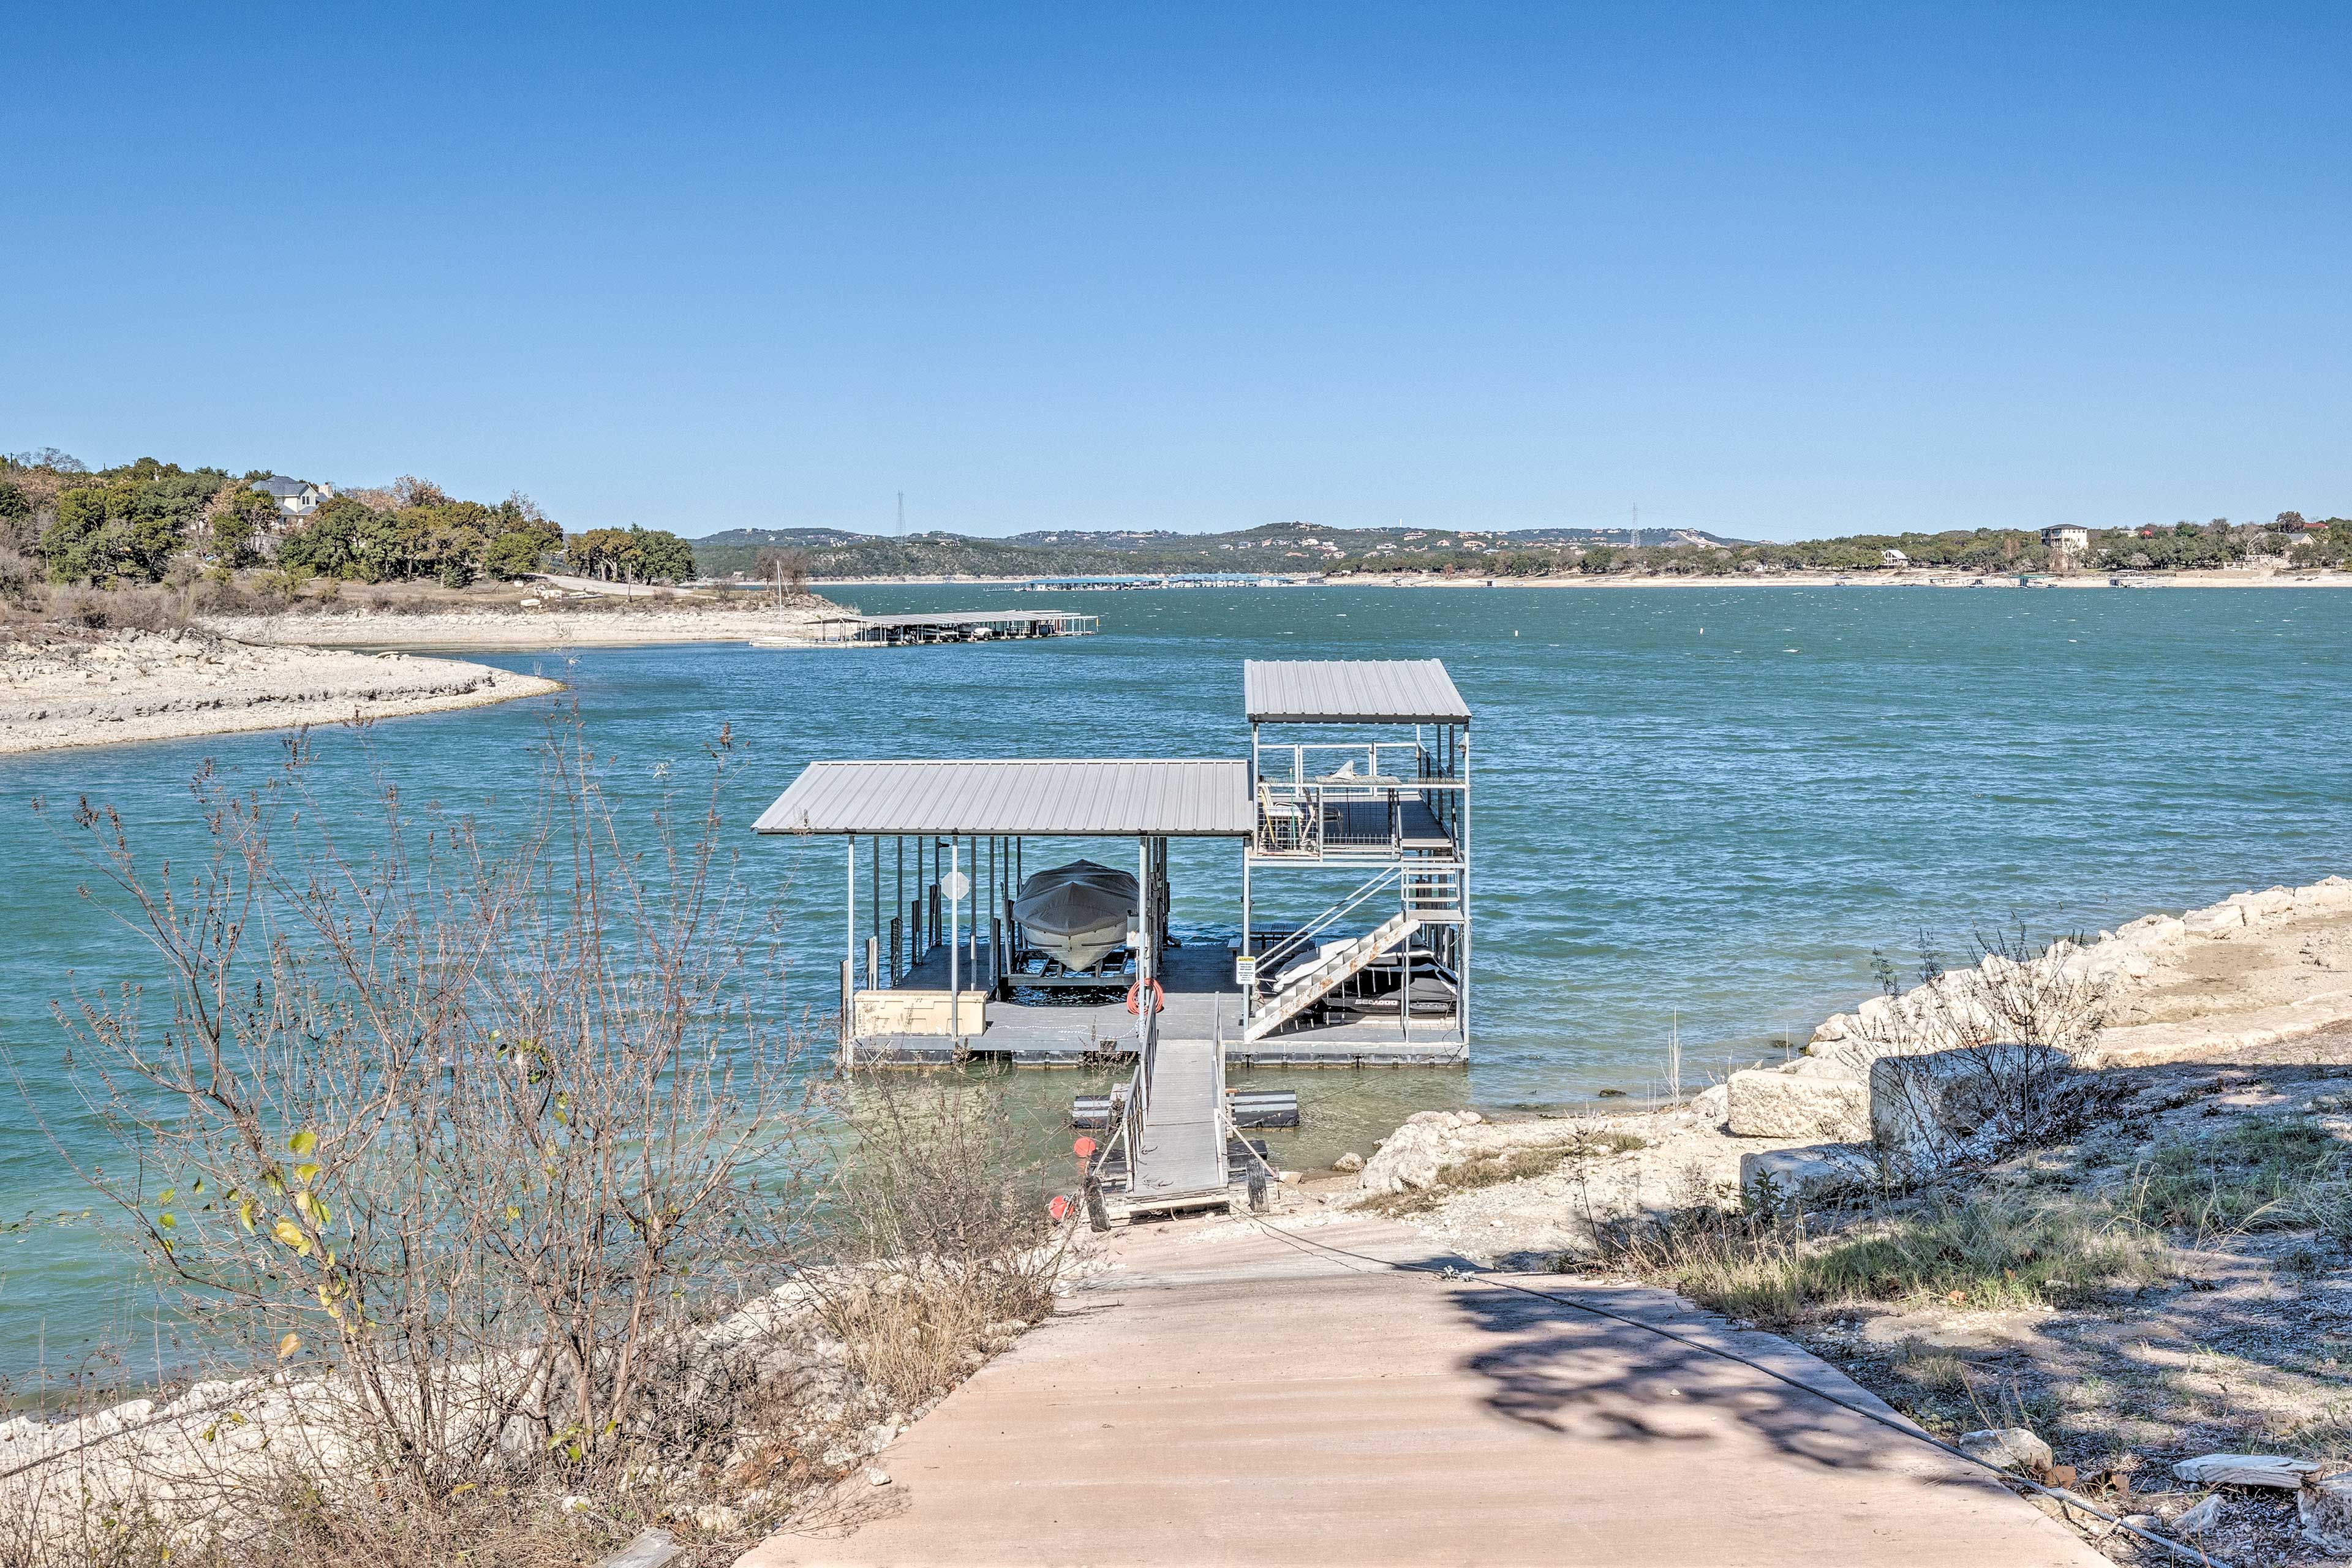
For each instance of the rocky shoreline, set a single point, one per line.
(2261, 976)
(632, 624)
(60, 691)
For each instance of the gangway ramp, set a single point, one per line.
(1182, 1151)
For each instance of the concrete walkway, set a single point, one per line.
(1224, 1396)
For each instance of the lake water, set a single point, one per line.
(1701, 804)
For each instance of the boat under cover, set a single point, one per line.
(1078, 912)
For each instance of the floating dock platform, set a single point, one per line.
(852, 630)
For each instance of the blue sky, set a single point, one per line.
(1778, 271)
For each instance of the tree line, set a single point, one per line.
(2170, 547)
(134, 523)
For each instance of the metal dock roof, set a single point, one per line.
(1181, 798)
(1354, 691)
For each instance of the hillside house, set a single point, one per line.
(296, 499)
(2067, 536)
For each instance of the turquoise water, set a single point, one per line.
(1702, 803)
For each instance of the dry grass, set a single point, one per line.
(1495, 1170)
(2267, 1174)
(299, 1520)
(1987, 1252)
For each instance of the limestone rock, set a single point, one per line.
(1925, 1109)
(1352, 1161)
(2216, 922)
(2202, 1518)
(2323, 1503)
(1765, 1103)
(2244, 1470)
(1712, 1103)
(2269, 904)
(2007, 1448)
(1816, 1172)
(2327, 893)
(1412, 1156)
(2153, 933)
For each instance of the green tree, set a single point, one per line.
(231, 543)
(75, 547)
(329, 546)
(661, 556)
(513, 554)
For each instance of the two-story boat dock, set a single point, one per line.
(1356, 783)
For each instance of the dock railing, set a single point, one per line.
(1313, 800)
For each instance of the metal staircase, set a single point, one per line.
(1426, 895)
(1339, 964)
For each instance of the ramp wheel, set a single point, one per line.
(1257, 1192)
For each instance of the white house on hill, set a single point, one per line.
(295, 498)
(2067, 536)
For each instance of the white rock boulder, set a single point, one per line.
(2007, 1448)
(2217, 922)
(1924, 1109)
(1816, 1172)
(1765, 1102)
(2324, 1505)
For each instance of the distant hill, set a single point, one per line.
(1075, 553)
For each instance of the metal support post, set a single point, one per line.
(955, 992)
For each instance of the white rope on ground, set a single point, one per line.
(1448, 1272)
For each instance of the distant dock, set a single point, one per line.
(852, 630)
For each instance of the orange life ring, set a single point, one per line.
(1134, 997)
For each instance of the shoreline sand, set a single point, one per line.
(665, 623)
(64, 692)
(516, 630)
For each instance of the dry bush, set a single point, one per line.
(436, 1146)
(2008, 1025)
(145, 609)
(943, 1249)
(217, 593)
